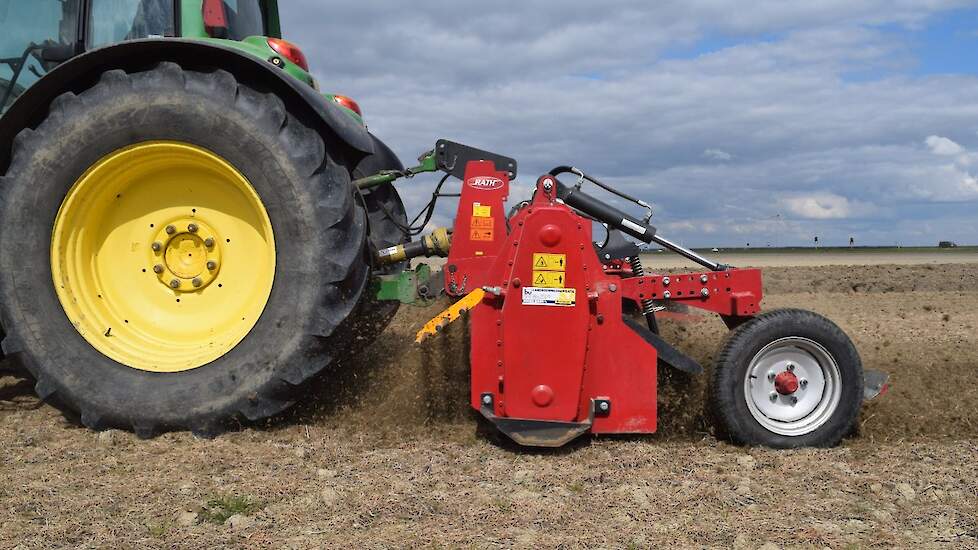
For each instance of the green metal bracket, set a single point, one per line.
(428, 163)
(406, 286)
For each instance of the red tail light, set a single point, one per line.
(289, 51)
(215, 18)
(348, 103)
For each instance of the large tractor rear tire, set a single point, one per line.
(177, 250)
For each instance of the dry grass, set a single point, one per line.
(398, 462)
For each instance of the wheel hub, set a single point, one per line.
(185, 255)
(786, 383)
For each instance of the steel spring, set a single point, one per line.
(648, 307)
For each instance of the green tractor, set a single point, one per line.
(181, 244)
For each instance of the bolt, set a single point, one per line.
(170, 230)
(209, 242)
(603, 405)
(773, 396)
(794, 400)
(613, 287)
(157, 246)
(705, 292)
(158, 268)
(197, 282)
(548, 185)
(667, 295)
(790, 367)
(665, 281)
(192, 228)
(212, 265)
(174, 283)
(704, 279)
(487, 399)
(770, 376)
(803, 382)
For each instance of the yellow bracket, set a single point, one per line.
(453, 312)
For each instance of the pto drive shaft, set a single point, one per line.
(435, 244)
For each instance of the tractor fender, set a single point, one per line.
(82, 72)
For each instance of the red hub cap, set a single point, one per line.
(786, 383)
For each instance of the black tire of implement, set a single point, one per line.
(725, 395)
(320, 238)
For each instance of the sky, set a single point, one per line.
(763, 122)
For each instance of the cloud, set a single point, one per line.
(717, 154)
(831, 126)
(943, 146)
(820, 206)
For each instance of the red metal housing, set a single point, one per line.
(549, 339)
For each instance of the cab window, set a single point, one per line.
(29, 28)
(117, 20)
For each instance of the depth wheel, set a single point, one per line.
(787, 378)
(178, 250)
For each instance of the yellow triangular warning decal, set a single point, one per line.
(540, 262)
(540, 280)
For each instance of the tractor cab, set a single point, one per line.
(40, 34)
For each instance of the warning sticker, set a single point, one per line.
(480, 234)
(480, 211)
(549, 279)
(561, 297)
(482, 223)
(549, 262)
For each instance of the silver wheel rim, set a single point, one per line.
(816, 398)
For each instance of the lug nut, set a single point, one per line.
(158, 268)
(170, 230)
(790, 367)
(773, 396)
(197, 282)
(770, 376)
(174, 283)
(157, 246)
(209, 242)
(192, 228)
(803, 382)
(794, 400)
(704, 279)
(705, 292)
(212, 265)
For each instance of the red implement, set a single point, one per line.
(552, 356)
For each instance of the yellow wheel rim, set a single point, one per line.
(163, 256)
